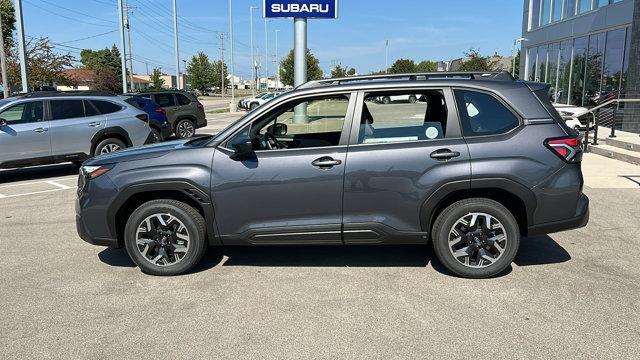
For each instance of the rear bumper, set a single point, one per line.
(580, 219)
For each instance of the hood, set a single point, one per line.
(138, 153)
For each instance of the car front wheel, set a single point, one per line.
(476, 238)
(165, 237)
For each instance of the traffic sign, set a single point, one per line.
(320, 9)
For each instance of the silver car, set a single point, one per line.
(54, 127)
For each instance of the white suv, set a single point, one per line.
(54, 127)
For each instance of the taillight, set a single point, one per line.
(143, 117)
(161, 111)
(567, 148)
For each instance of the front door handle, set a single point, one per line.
(444, 154)
(40, 130)
(94, 124)
(326, 162)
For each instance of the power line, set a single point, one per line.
(77, 12)
(65, 16)
(90, 37)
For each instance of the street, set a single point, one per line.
(572, 294)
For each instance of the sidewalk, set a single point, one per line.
(603, 173)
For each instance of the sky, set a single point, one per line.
(415, 29)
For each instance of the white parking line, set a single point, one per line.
(29, 193)
(38, 182)
(62, 187)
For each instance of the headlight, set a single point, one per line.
(94, 171)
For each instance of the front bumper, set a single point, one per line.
(580, 219)
(91, 211)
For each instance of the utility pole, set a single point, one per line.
(127, 24)
(232, 106)
(3, 65)
(277, 62)
(221, 36)
(266, 53)
(146, 64)
(175, 43)
(386, 57)
(300, 64)
(253, 60)
(22, 54)
(123, 53)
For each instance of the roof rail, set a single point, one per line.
(65, 93)
(472, 75)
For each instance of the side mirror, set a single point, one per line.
(3, 122)
(278, 129)
(243, 151)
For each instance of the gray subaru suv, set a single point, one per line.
(52, 127)
(478, 163)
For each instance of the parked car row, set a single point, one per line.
(254, 102)
(53, 127)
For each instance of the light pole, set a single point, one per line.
(232, 106)
(277, 62)
(266, 53)
(386, 57)
(253, 65)
(22, 53)
(515, 44)
(175, 43)
(123, 56)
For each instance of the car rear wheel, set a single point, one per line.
(386, 100)
(165, 237)
(108, 146)
(253, 106)
(412, 99)
(157, 136)
(185, 129)
(476, 238)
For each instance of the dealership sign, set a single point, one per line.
(324, 9)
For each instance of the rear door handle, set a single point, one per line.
(40, 130)
(444, 154)
(326, 162)
(94, 124)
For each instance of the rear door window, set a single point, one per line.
(165, 100)
(392, 117)
(183, 100)
(66, 109)
(106, 107)
(89, 109)
(482, 114)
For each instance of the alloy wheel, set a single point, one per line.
(109, 148)
(185, 129)
(477, 240)
(162, 239)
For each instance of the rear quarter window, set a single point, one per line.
(106, 107)
(183, 100)
(482, 114)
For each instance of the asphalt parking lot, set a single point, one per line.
(572, 294)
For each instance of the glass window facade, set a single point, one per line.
(584, 6)
(544, 12)
(545, 15)
(557, 10)
(582, 69)
(535, 14)
(569, 8)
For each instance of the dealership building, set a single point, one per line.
(586, 49)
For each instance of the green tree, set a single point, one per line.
(339, 71)
(426, 66)
(156, 80)
(8, 22)
(286, 68)
(403, 66)
(201, 72)
(102, 59)
(476, 62)
(217, 74)
(45, 65)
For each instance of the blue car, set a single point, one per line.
(158, 122)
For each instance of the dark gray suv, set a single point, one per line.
(184, 111)
(479, 161)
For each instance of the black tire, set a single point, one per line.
(386, 100)
(107, 145)
(412, 99)
(157, 136)
(185, 128)
(193, 222)
(449, 216)
(253, 106)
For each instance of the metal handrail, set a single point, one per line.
(596, 124)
